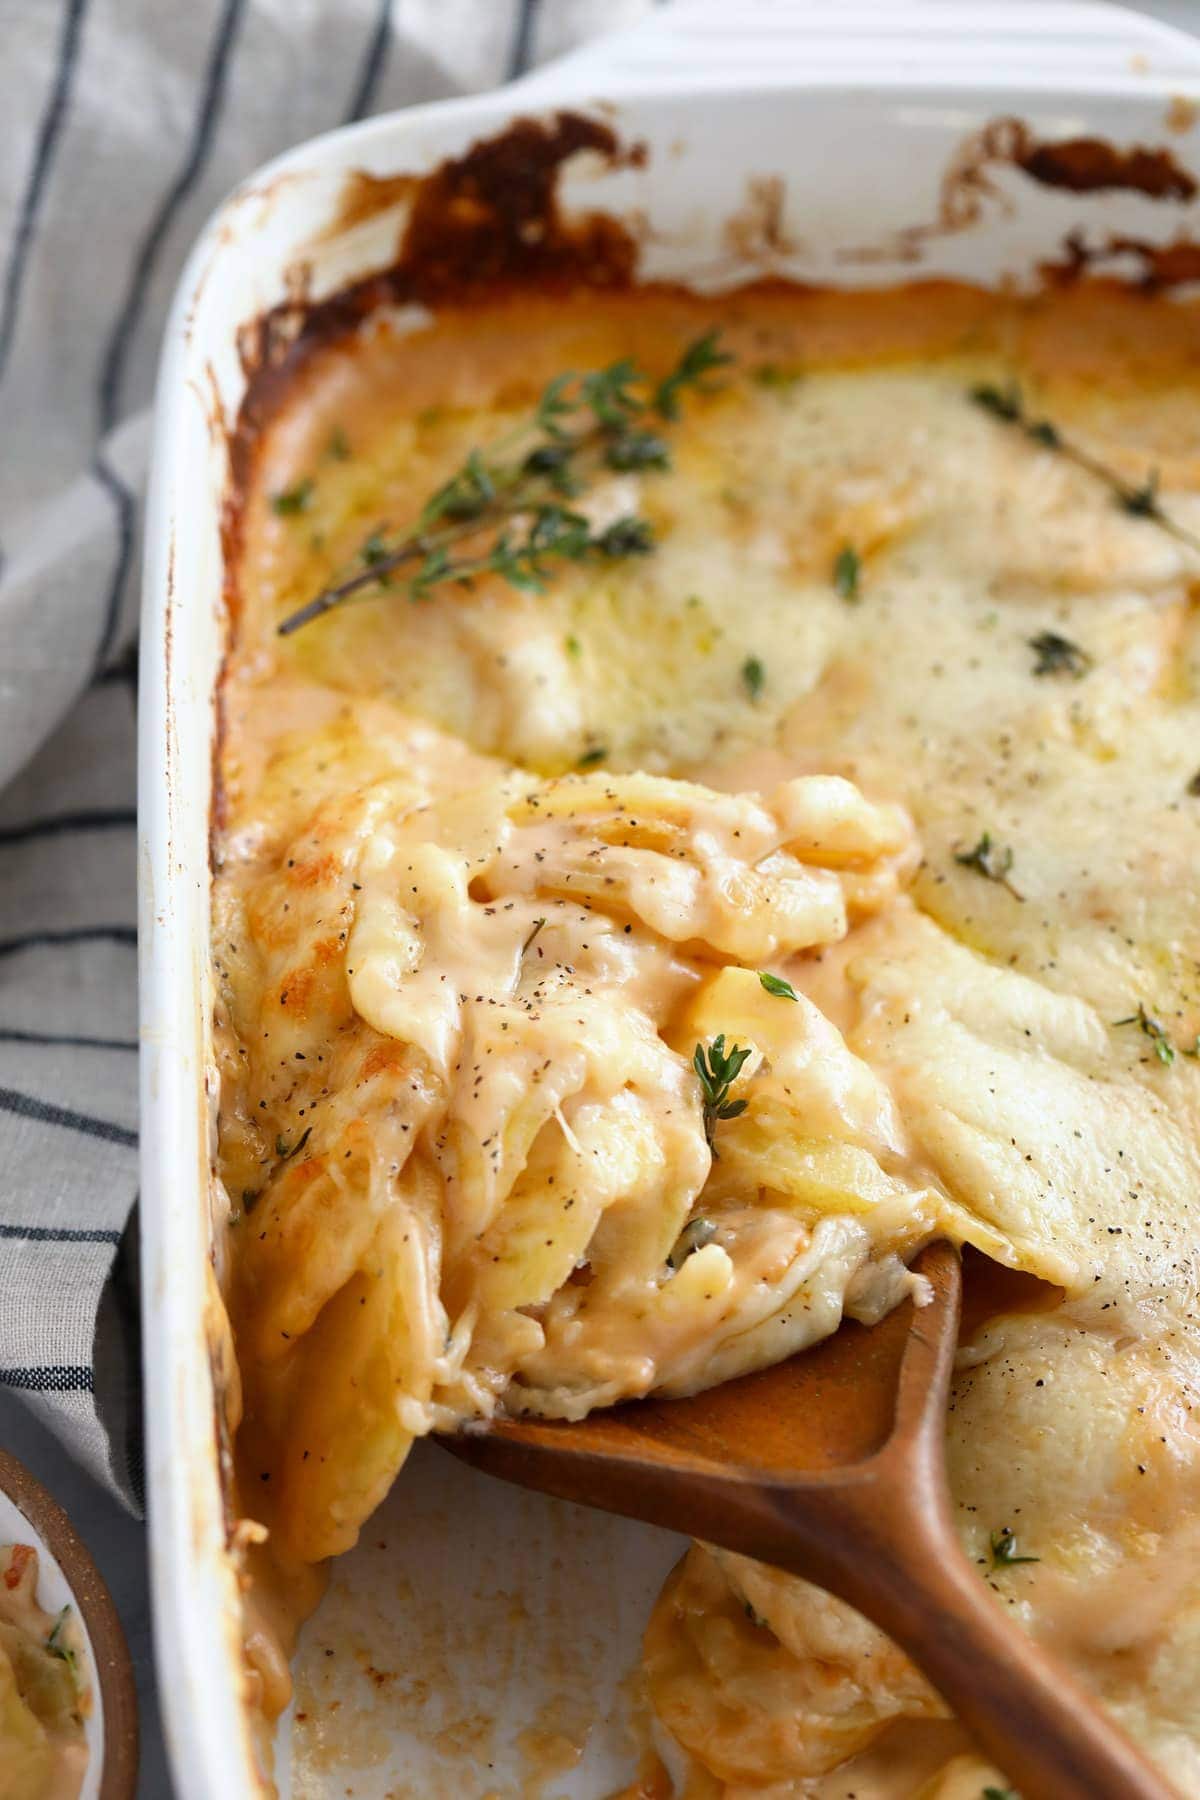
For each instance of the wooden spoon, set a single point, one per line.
(832, 1466)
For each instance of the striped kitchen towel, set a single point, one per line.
(125, 121)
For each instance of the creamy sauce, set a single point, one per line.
(461, 981)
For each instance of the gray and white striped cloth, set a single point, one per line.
(124, 122)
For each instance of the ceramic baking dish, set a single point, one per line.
(477, 1630)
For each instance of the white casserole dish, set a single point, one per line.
(506, 1607)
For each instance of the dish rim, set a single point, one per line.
(207, 1731)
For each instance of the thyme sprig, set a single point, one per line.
(1003, 1547)
(993, 861)
(505, 505)
(1007, 404)
(717, 1070)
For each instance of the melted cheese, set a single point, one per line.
(461, 985)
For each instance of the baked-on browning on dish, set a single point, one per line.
(729, 818)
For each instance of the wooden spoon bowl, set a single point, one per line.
(832, 1466)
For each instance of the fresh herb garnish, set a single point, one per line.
(573, 646)
(1057, 655)
(697, 361)
(637, 450)
(1003, 1545)
(993, 861)
(629, 536)
(373, 551)
(282, 1150)
(717, 1070)
(591, 757)
(695, 1234)
(847, 568)
(537, 926)
(1139, 499)
(1164, 1049)
(57, 1645)
(467, 495)
(504, 505)
(776, 985)
(293, 500)
(754, 674)
(995, 1793)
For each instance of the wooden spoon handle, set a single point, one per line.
(906, 1571)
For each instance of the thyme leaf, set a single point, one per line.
(630, 536)
(290, 501)
(611, 393)
(995, 1793)
(695, 1234)
(754, 675)
(697, 361)
(1140, 499)
(591, 757)
(847, 569)
(776, 985)
(467, 495)
(1057, 655)
(717, 1069)
(554, 407)
(637, 450)
(993, 861)
(1003, 1547)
